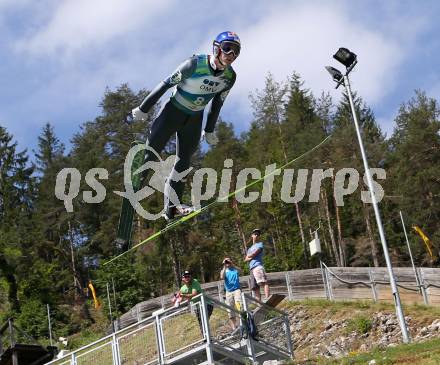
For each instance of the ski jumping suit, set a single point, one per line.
(196, 84)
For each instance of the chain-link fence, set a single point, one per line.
(357, 283)
(179, 331)
(421, 285)
(204, 330)
(99, 352)
(227, 328)
(134, 345)
(272, 325)
(102, 354)
(182, 330)
(139, 345)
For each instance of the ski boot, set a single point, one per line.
(174, 213)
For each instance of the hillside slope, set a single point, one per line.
(334, 330)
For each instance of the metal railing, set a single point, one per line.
(272, 325)
(128, 346)
(161, 337)
(190, 332)
(343, 283)
(181, 330)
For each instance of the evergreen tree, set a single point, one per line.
(16, 205)
(413, 169)
(49, 148)
(48, 255)
(50, 215)
(345, 153)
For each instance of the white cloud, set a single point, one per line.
(304, 38)
(300, 37)
(75, 24)
(91, 45)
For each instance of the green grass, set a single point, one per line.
(360, 324)
(365, 305)
(345, 304)
(425, 353)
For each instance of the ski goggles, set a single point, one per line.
(230, 47)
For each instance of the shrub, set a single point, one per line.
(361, 325)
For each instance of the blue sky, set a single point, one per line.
(58, 56)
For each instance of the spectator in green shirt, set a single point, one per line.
(190, 288)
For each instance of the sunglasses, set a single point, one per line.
(230, 47)
(186, 276)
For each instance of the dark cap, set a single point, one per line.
(256, 231)
(186, 273)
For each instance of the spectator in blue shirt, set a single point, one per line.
(255, 258)
(231, 276)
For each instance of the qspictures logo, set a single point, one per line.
(207, 184)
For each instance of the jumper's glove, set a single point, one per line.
(138, 114)
(210, 138)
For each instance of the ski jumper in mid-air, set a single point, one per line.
(197, 81)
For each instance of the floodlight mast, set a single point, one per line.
(349, 60)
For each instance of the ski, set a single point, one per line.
(125, 225)
(203, 209)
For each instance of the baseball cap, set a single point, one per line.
(256, 231)
(186, 273)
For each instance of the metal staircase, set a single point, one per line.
(185, 336)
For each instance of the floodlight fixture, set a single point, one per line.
(346, 57)
(335, 73)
